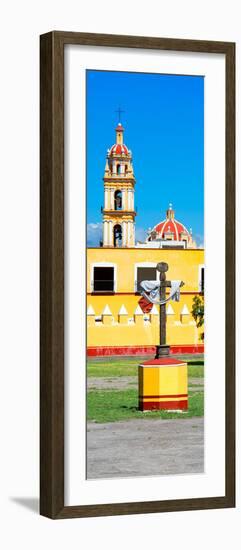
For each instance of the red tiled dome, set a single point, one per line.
(170, 227)
(118, 149)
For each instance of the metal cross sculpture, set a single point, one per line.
(163, 348)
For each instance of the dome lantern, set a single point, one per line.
(170, 212)
(119, 133)
(119, 149)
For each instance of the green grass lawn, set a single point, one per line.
(128, 366)
(112, 406)
(107, 405)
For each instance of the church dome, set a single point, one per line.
(170, 229)
(119, 148)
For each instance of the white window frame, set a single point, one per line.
(200, 267)
(102, 264)
(142, 264)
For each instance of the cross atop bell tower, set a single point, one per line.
(119, 185)
(119, 111)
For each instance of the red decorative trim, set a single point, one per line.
(189, 348)
(164, 361)
(125, 350)
(141, 350)
(163, 405)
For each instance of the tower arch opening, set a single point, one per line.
(117, 235)
(118, 200)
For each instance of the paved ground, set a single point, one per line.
(128, 382)
(145, 448)
(112, 383)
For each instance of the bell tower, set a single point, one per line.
(119, 183)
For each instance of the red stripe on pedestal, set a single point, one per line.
(164, 361)
(163, 405)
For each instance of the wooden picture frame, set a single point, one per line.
(52, 274)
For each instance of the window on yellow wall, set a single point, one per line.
(145, 274)
(103, 279)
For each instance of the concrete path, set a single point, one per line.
(112, 383)
(129, 382)
(145, 448)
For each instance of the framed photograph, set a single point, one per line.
(137, 390)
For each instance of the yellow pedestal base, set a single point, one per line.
(163, 384)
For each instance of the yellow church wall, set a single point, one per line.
(122, 335)
(183, 264)
(133, 330)
(144, 333)
(130, 301)
(183, 334)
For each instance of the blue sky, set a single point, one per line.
(164, 128)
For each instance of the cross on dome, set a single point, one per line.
(119, 111)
